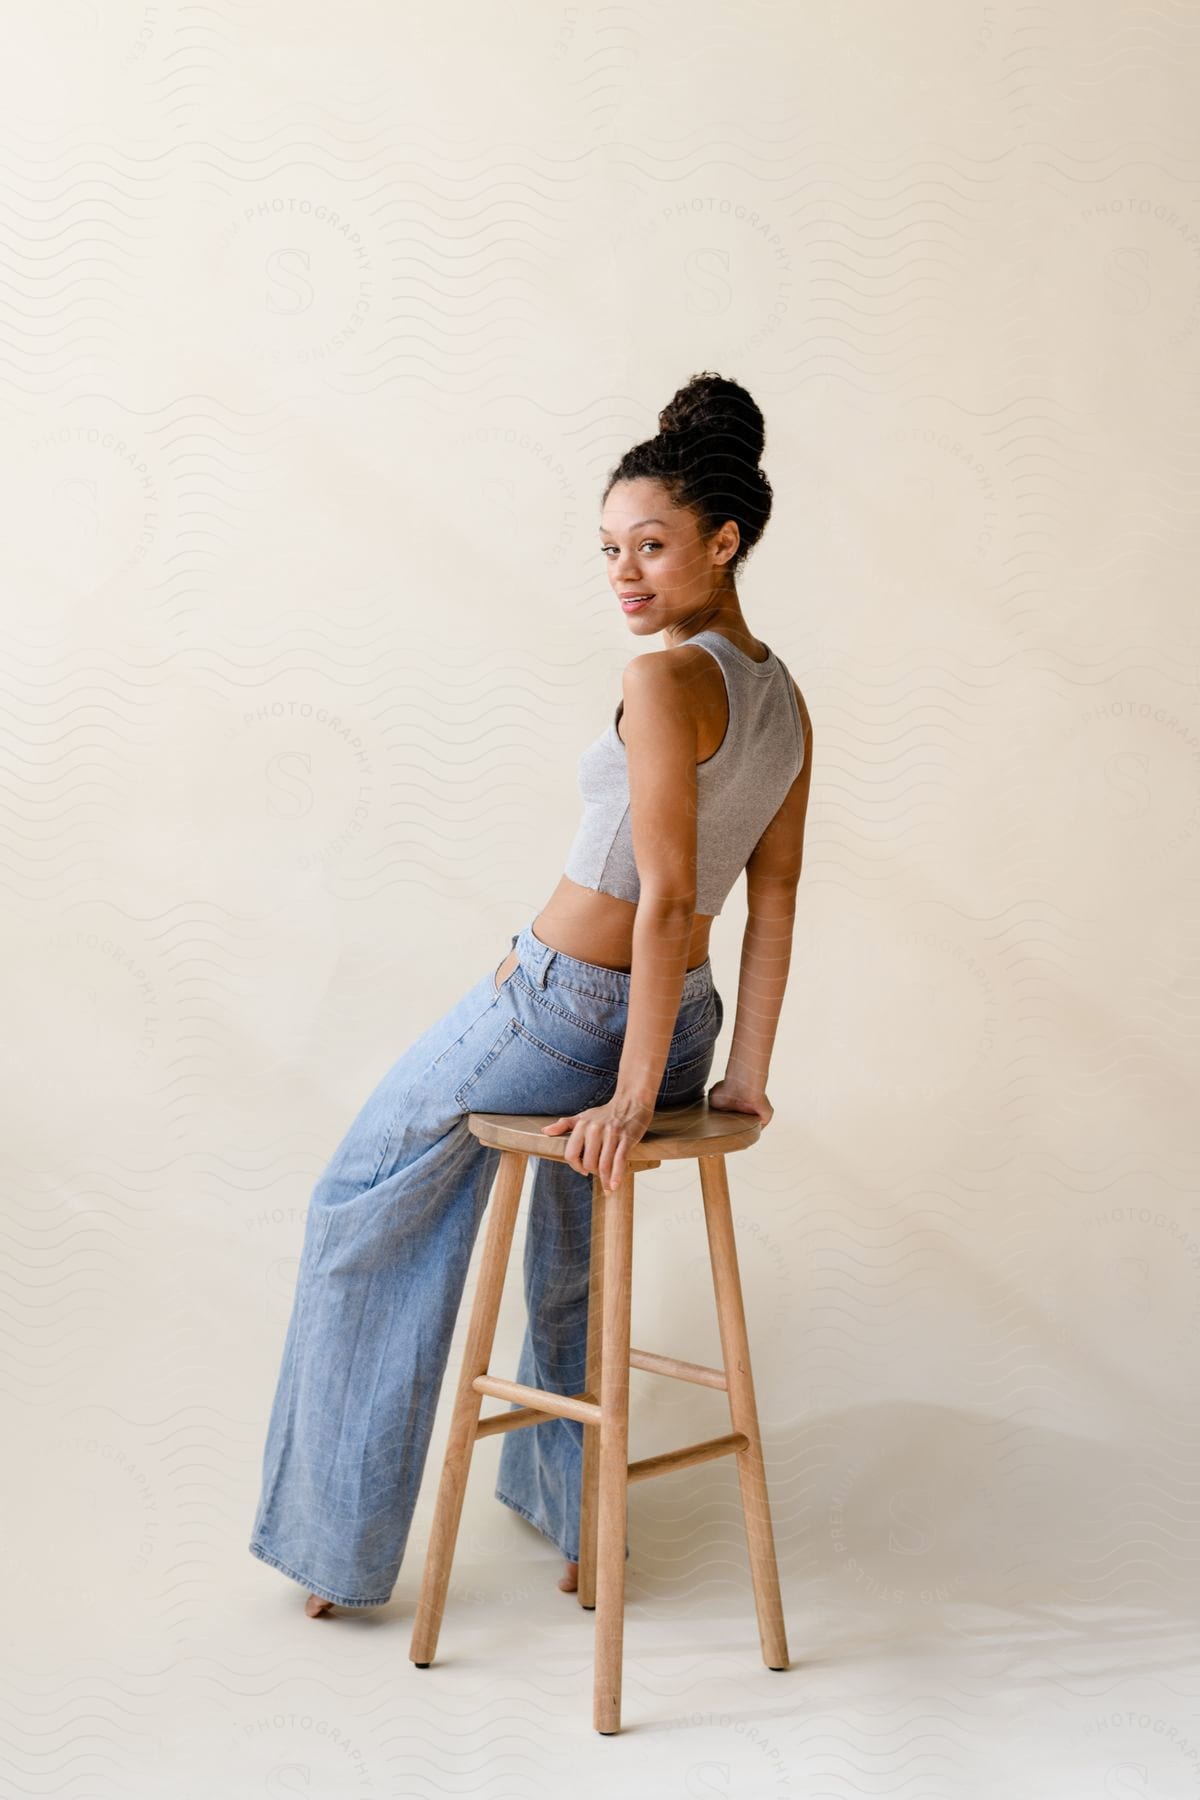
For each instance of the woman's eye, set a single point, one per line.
(653, 542)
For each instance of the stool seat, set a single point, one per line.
(674, 1134)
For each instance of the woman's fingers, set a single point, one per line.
(576, 1152)
(612, 1168)
(587, 1157)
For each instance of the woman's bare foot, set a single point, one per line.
(315, 1605)
(569, 1581)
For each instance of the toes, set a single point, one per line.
(569, 1581)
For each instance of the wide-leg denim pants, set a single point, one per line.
(388, 1239)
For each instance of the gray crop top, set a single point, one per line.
(739, 788)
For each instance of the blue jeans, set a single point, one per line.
(388, 1239)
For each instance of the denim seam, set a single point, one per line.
(389, 1138)
(507, 1036)
(588, 993)
(497, 995)
(605, 1079)
(562, 984)
(701, 1028)
(696, 1029)
(564, 976)
(323, 1593)
(614, 1038)
(572, 1062)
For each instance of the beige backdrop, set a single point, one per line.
(322, 326)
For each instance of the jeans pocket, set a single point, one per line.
(590, 1027)
(522, 1074)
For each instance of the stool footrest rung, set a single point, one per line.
(561, 1406)
(677, 1369)
(509, 1421)
(728, 1445)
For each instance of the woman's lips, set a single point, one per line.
(632, 606)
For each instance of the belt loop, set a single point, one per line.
(539, 959)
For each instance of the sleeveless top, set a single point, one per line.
(739, 788)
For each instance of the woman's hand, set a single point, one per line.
(727, 1096)
(602, 1138)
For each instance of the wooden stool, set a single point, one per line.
(604, 1408)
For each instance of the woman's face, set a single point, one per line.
(652, 547)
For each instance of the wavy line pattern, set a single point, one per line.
(321, 330)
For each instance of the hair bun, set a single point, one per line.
(705, 455)
(709, 406)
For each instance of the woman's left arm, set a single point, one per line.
(660, 738)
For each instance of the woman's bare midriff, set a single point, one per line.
(598, 928)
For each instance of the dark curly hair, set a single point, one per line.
(706, 454)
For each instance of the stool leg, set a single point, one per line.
(613, 1497)
(593, 1383)
(743, 1412)
(505, 1201)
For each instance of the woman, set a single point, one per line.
(603, 1010)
